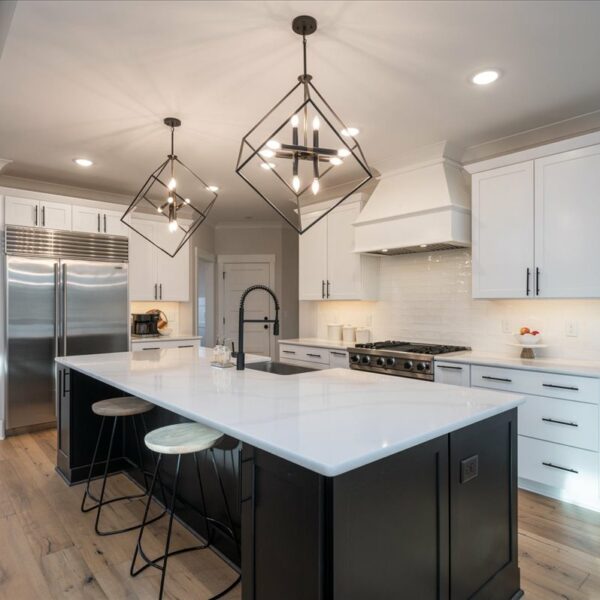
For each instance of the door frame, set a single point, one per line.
(207, 257)
(223, 259)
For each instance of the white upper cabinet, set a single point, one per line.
(536, 224)
(97, 220)
(503, 232)
(329, 269)
(36, 213)
(567, 224)
(153, 275)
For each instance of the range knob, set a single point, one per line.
(408, 364)
(422, 366)
(354, 358)
(381, 362)
(365, 360)
(390, 362)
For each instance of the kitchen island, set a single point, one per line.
(348, 485)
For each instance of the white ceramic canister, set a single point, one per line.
(349, 333)
(363, 335)
(334, 332)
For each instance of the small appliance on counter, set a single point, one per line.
(144, 324)
(334, 332)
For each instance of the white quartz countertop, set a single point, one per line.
(550, 365)
(318, 343)
(163, 338)
(329, 421)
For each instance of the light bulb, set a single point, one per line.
(315, 186)
(296, 183)
(316, 123)
(294, 121)
(172, 183)
(485, 77)
(343, 152)
(170, 199)
(212, 188)
(335, 161)
(350, 132)
(273, 144)
(159, 209)
(266, 153)
(267, 166)
(83, 162)
(173, 225)
(187, 200)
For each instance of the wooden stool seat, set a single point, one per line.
(124, 406)
(183, 438)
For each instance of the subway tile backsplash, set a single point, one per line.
(427, 297)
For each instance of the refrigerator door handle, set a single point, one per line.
(64, 309)
(56, 309)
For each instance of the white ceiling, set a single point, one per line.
(96, 79)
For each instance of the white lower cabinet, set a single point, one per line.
(162, 343)
(559, 427)
(313, 357)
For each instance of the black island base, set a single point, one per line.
(436, 521)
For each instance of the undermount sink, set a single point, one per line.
(278, 368)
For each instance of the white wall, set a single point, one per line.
(427, 297)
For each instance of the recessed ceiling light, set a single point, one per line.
(350, 132)
(423, 245)
(384, 250)
(485, 77)
(212, 188)
(83, 162)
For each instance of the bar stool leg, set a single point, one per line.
(86, 492)
(103, 489)
(204, 507)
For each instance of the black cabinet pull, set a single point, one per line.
(157, 348)
(104, 223)
(328, 284)
(527, 281)
(338, 353)
(548, 464)
(450, 368)
(98, 222)
(570, 424)
(503, 379)
(288, 352)
(36, 216)
(561, 387)
(188, 346)
(43, 216)
(314, 355)
(537, 281)
(322, 288)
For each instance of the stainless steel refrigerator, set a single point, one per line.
(66, 294)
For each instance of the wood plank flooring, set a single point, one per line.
(49, 550)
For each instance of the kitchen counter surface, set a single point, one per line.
(319, 343)
(330, 421)
(550, 365)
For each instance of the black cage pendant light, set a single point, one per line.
(172, 203)
(301, 149)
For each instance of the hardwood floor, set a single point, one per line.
(49, 549)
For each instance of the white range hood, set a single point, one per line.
(418, 208)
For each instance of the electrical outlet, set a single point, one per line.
(571, 329)
(469, 468)
(505, 326)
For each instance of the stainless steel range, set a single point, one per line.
(403, 359)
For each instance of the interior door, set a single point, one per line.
(30, 341)
(142, 263)
(94, 307)
(343, 265)
(567, 222)
(503, 232)
(237, 277)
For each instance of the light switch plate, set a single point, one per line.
(469, 468)
(571, 329)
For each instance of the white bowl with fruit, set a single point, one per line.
(528, 337)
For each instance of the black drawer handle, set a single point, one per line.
(339, 354)
(157, 348)
(449, 367)
(569, 423)
(288, 351)
(547, 464)
(188, 346)
(313, 355)
(561, 387)
(504, 379)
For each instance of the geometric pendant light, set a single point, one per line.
(172, 203)
(301, 150)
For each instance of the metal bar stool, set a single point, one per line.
(117, 408)
(180, 439)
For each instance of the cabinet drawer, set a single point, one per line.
(452, 373)
(338, 359)
(303, 363)
(561, 421)
(161, 345)
(304, 353)
(568, 387)
(572, 470)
